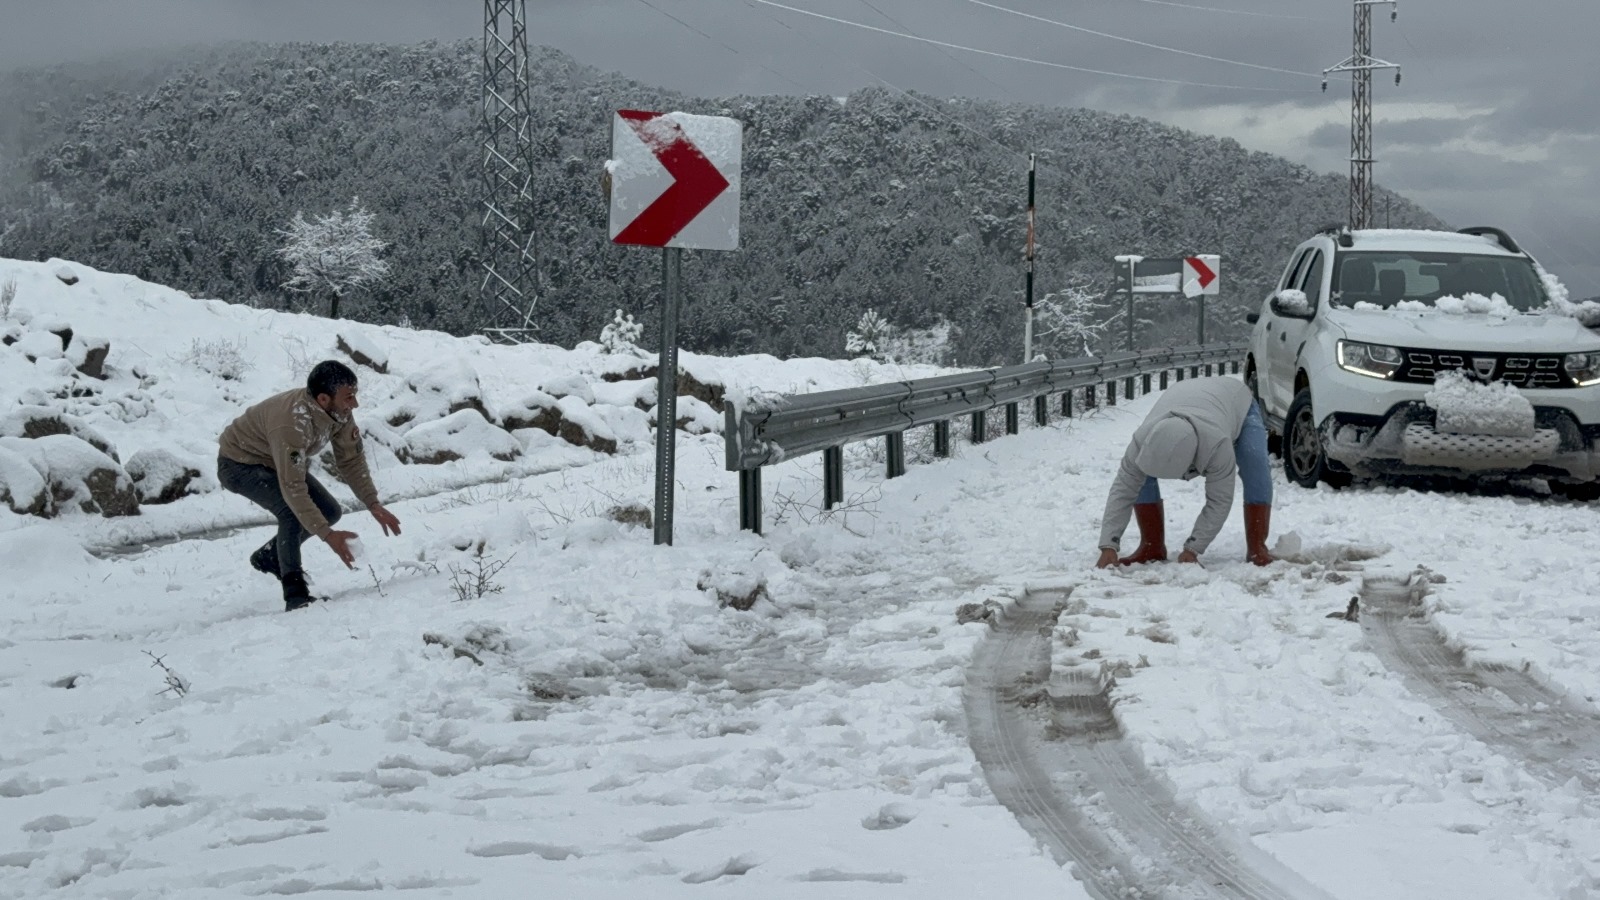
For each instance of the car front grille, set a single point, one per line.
(1523, 370)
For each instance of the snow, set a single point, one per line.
(1464, 406)
(522, 695)
(1468, 304)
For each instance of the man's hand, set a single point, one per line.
(340, 542)
(1108, 558)
(1188, 556)
(386, 519)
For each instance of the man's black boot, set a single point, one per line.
(265, 559)
(295, 592)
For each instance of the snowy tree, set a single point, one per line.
(336, 253)
(622, 335)
(919, 346)
(871, 337)
(1067, 323)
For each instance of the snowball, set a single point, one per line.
(1464, 406)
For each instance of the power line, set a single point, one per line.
(1138, 43)
(720, 43)
(1022, 59)
(893, 21)
(1237, 12)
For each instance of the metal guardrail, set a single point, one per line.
(806, 423)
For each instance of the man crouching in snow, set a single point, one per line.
(1206, 426)
(264, 454)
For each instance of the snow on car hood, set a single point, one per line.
(1472, 331)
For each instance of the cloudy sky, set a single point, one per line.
(1497, 119)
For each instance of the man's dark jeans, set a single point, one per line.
(259, 485)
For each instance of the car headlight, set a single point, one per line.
(1375, 360)
(1582, 368)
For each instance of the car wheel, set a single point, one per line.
(1305, 461)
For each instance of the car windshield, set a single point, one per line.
(1393, 277)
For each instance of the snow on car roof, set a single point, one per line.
(1426, 241)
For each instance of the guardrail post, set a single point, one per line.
(750, 500)
(1041, 410)
(895, 444)
(1091, 396)
(1147, 382)
(832, 476)
(1180, 373)
(1066, 403)
(1208, 370)
(1013, 419)
(1111, 392)
(1127, 387)
(980, 426)
(941, 439)
(1194, 371)
(1163, 379)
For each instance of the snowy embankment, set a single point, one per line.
(522, 696)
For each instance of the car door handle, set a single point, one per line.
(1283, 336)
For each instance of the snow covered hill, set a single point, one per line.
(522, 696)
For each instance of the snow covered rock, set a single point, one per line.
(88, 355)
(693, 416)
(441, 390)
(701, 387)
(78, 475)
(569, 386)
(363, 352)
(162, 477)
(41, 421)
(67, 276)
(580, 425)
(537, 410)
(458, 436)
(22, 487)
(568, 418)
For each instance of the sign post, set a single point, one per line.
(673, 180)
(1200, 280)
(1193, 276)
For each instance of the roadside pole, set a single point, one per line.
(1027, 319)
(667, 392)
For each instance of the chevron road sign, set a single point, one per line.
(674, 180)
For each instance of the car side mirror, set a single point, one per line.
(1252, 318)
(1291, 303)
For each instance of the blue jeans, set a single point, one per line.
(259, 485)
(1249, 453)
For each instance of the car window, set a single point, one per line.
(1311, 284)
(1292, 277)
(1391, 278)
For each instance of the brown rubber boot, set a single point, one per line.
(1152, 521)
(1257, 521)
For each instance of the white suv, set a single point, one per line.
(1345, 351)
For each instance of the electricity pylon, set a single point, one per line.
(510, 270)
(1361, 65)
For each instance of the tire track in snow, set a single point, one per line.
(1055, 756)
(1554, 738)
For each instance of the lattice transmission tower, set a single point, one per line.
(1361, 65)
(510, 266)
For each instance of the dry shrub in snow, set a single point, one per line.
(222, 358)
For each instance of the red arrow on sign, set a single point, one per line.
(1202, 272)
(696, 181)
